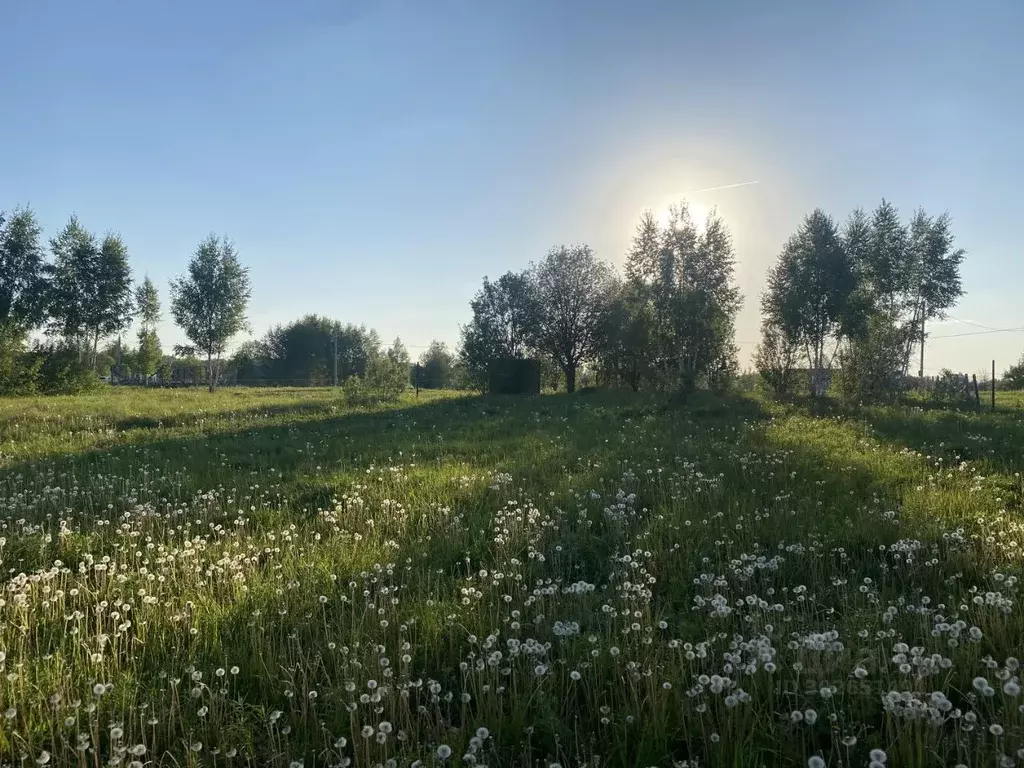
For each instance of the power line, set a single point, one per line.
(971, 322)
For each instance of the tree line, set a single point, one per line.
(79, 291)
(667, 323)
(319, 351)
(854, 301)
(857, 299)
(844, 309)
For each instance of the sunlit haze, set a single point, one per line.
(373, 161)
(663, 211)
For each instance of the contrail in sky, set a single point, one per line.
(724, 186)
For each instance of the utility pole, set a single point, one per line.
(335, 359)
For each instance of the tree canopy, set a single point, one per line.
(23, 271)
(210, 301)
(862, 296)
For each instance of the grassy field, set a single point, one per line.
(269, 578)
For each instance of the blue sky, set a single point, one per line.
(374, 160)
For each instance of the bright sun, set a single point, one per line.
(699, 213)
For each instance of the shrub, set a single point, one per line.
(164, 372)
(775, 359)
(19, 369)
(385, 381)
(1013, 378)
(353, 390)
(953, 389)
(387, 378)
(870, 366)
(63, 371)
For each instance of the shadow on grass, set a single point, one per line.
(568, 445)
(186, 419)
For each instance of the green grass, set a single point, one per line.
(1011, 399)
(255, 577)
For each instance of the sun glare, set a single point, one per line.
(699, 213)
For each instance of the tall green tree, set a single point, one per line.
(908, 274)
(884, 260)
(149, 354)
(147, 303)
(110, 311)
(855, 237)
(685, 274)
(399, 355)
(76, 258)
(573, 288)
(644, 303)
(504, 324)
(209, 303)
(436, 366)
(358, 345)
(934, 284)
(249, 362)
(397, 352)
(303, 351)
(92, 287)
(23, 272)
(644, 258)
(809, 291)
(627, 353)
(703, 298)
(24, 287)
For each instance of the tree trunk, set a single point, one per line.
(210, 380)
(570, 377)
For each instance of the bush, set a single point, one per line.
(19, 369)
(870, 366)
(386, 378)
(47, 368)
(354, 391)
(953, 389)
(164, 372)
(63, 371)
(1013, 378)
(385, 381)
(775, 359)
(747, 382)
